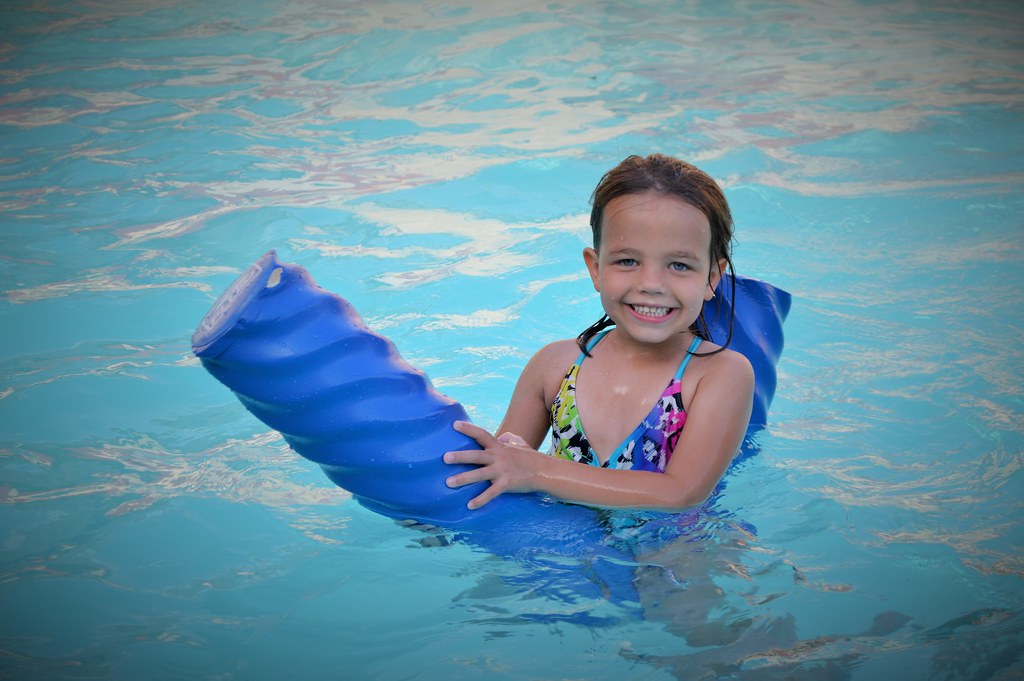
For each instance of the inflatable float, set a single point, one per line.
(303, 362)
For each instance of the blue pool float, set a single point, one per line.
(302, 361)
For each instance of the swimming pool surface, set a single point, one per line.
(432, 162)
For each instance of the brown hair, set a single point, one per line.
(671, 177)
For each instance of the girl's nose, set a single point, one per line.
(652, 279)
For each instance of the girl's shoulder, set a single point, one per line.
(719, 378)
(548, 366)
(723, 362)
(557, 356)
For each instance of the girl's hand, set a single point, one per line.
(506, 461)
(513, 439)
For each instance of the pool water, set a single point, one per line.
(431, 162)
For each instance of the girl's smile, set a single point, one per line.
(647, 313)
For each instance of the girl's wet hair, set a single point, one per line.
(671, 177)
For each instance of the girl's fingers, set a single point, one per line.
(456, 481)
(512, 439)
(466, 478)
(476, 457)
(482, 436)
(484, 497)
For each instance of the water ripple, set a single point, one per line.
(251, 470)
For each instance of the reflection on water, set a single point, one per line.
(432, 162)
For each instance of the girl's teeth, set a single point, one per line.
(651, 311)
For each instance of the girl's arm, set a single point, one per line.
(715, 424)
(527, 414)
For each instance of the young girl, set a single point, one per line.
(662, 240)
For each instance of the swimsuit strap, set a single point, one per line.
(590, 346)
(686, 360)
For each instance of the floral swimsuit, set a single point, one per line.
(647, 448)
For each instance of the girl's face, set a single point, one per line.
(654, 268)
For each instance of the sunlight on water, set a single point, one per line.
(432, 162)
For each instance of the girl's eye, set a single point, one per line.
(679, 266)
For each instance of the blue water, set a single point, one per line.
(432, 163)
